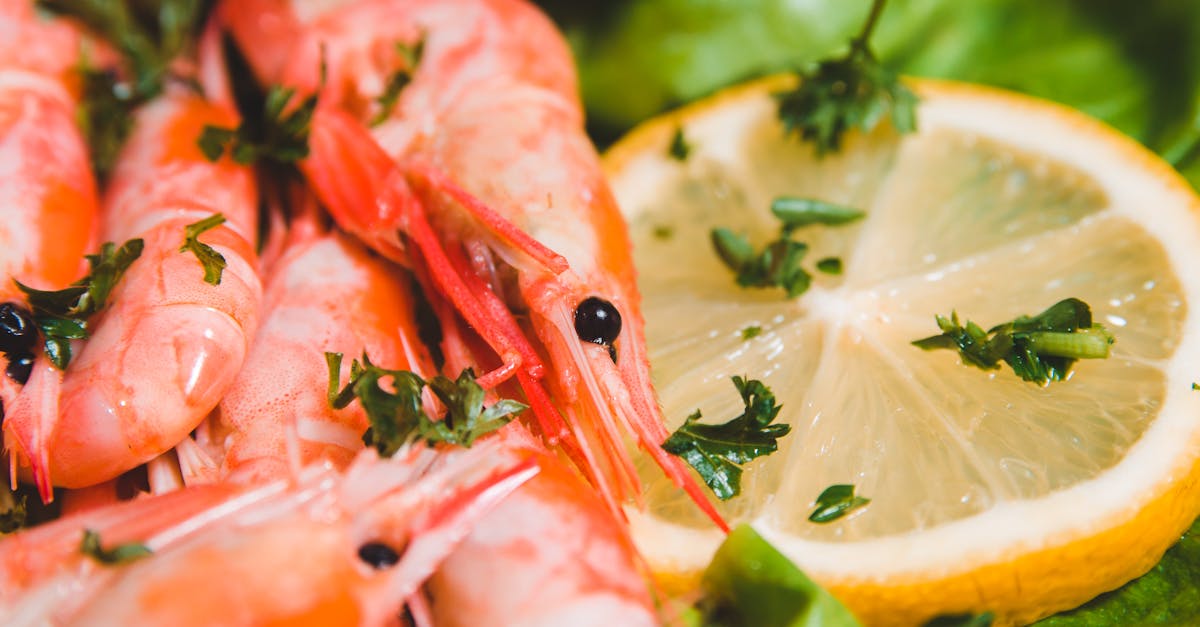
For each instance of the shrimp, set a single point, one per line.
(326, 548)
(167, 346)
(326, 294)
(476, 175)
(48, 205)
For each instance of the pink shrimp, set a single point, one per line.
(167, 346)
(476, 175)
(326, 294)
(48, 207)
(324, 549)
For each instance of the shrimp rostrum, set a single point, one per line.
(449, 137)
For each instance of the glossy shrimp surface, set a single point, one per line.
(482, 178)
(326, 294)
(167, 346)
(48, 206)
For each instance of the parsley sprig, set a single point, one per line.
(835, 502)
(212, 261)
(410, 58)
(149, 35)
(718, 452)
(62, 315)
(846, 92)
(1040, 349)
(119, 554)
(398, 416)
(778, 263)
(281, 136)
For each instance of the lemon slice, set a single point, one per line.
(987, 493)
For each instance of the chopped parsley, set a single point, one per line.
(718, 452)
(1039, 349)
(680, 148)
(410, 58)
(846, 92)
(212, 261)
(778, 263)
(280, 137)
(751, 332)
(961, 620)
(62, 315)
(398, 416)
(830, 265)
(834, 502)
(120, 554)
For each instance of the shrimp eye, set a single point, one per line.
(378, 555)
(17, 333)
(597, 321)
(20, 366)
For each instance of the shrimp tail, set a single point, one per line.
(30, 424)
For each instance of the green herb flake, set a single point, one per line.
(749, 582)
(717, 452)
(830, 265)
(751, 332)
(835, 502)
(212, 261)
(853, 91)
(1039, 349)
(281, 137)
(120, 554)
(961, 620)
(662, 232)
(398, 416)
(680, 148)
(776, 265)
(410, 58)
(1195, 386)
(62, 315)
(800, 212)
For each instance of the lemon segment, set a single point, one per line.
(988, 493)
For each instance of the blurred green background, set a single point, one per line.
(1132, 64)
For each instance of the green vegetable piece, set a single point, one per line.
(777, 265)
(751, 332)
(410, 58)
(1167, 595)
(1039, 349)
(718, 452)
(830, 265)
(212, 261)
(847, 92)
(961, 620)
(281, 136)
(120, 554)
(62, 315)
(399, 416)
(680, 148)
(835, 502)
(749, 582)
(799, 212)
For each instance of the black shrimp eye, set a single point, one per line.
(17, 333)
(20, 366)
(378, 555)
(597, 321)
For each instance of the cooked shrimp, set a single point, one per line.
(326, 294)
(476, 176)
(167, 346)
(328, 548)
(48, 207)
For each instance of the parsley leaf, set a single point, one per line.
(120, 554)
(847, 92)
(830, 265)
(961, 620)
(212, 261)
(778, 263)
(62, 315)
(751, 332)
(680, 148)
(718, 452)
(399, 416)
(1040, 349)
(836, 501)
(281, 136)
(410, 57)
(149, 35)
